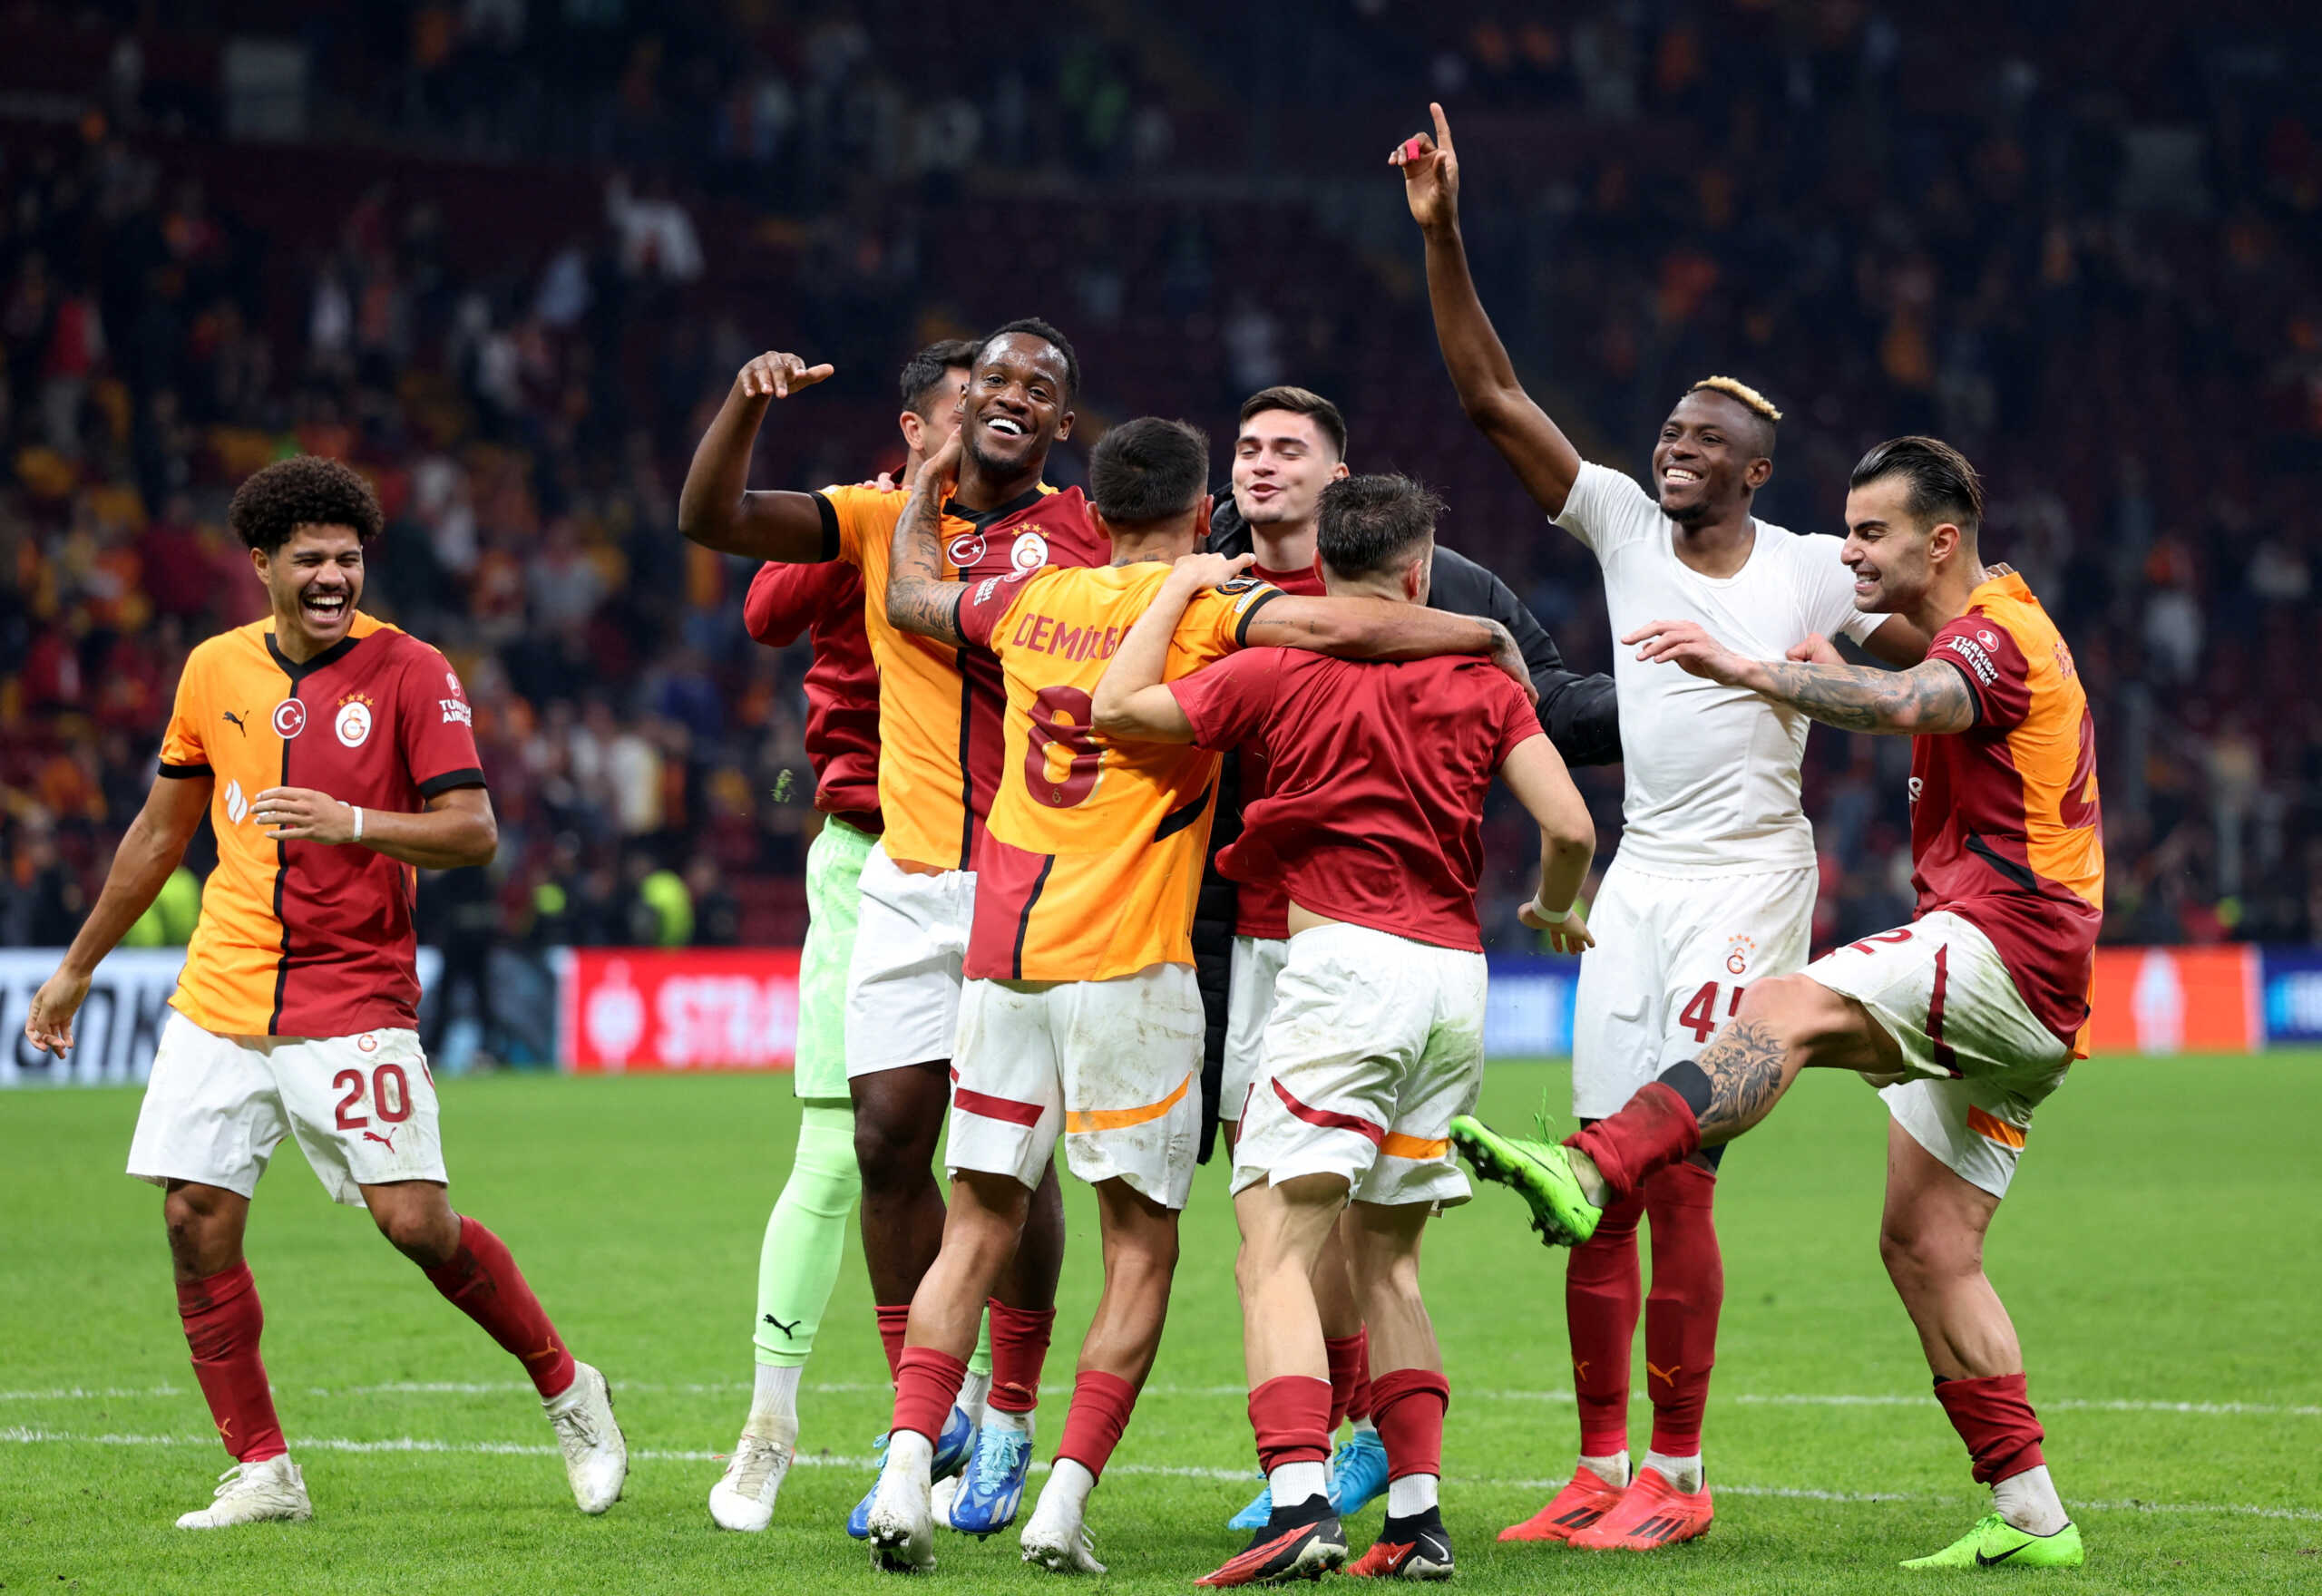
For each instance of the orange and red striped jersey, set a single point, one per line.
(1096, 848)
(2005, 828)
(938, 705)
(301, 938)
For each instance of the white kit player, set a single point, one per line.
(1714, 883)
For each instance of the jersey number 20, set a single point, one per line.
(1063, 725)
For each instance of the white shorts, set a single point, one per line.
(363, 1108)
(1249, 1002)
(1977, 1062)
(1672, 958)
(1375, 1045)
(903, 979)
(1112, 1066)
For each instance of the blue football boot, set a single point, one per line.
(952, 1449)
(1358, 1472)
(992, 1487)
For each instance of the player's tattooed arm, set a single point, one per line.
(918, 598)
(1130, 700)
(1931, 697)
(715, 507)
(1542, 458)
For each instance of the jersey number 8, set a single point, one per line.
(1063, 724)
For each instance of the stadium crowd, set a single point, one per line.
(2073, 287)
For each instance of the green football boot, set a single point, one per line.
(1538, 1172)
(1995, 1542)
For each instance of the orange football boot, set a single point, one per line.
(1586, 1498)
(1651, 1512)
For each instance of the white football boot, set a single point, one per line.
(596, 1454)
(744, 1499)
(939, 1500)
(902, 1518)
(254, 1493)
(1057, 1539)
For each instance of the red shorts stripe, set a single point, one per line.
(991, 1107)
(1374, 1134)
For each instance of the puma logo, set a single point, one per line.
(789, 1331)
(388, 1142)
(1580, 1368)
(547, 1351)
(237, 722)
(1668, 1374)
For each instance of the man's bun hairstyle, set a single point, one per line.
(305, 491)
(1373, 524)
(1147, 471)
(1942, 485)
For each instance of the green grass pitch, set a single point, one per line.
(2158, 1254)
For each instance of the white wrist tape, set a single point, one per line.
(358, 821)
(1554, 916)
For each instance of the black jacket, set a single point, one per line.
(1577, 712)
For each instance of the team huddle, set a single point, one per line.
(1153, 818)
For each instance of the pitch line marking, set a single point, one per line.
(27, 1435)
(857, 1387)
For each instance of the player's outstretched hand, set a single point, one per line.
(1814, 649)
(1568, 935)
(1431, 174)
(301, 814)
(49, 1022)
(777, 375)
(1685, 642)
(1197, 572)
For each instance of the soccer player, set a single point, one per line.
(1714, 883)
(806, 1232)
(335, 759)
(1970, 1015)
(1373, 821)
(939, 762)
(1080, 1020)
(1290, 448)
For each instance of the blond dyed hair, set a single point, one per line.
(1734, 388)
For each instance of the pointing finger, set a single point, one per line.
(815, 373)
(1442, 126)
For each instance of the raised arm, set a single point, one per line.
(1537, 777)
(150, 850)
(1130, 700)
(1543, 457)
(1381, 628)
(715, 507)
(1929, 698)
(918, 598)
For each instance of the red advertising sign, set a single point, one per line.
(2176, 1000)
(652, 1009)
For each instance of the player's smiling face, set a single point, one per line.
(1707, 460)
(315, 581)
(1886, 551)
(1016, 404)
(1281, 463)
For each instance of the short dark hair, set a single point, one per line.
(1371, 524)
(1148, 470)
(1942, 485)
(1037, 328)
(1300, 402)
(924, 371)
(305, 491)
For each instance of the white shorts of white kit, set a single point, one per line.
(903, 980)
(1249, 1004)
(1375, 1045)
(1976, 1061)
(1113, 1067)
(363, 1108)
(1672, 958)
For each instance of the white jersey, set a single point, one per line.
(1711, 771)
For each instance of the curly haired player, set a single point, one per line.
(335, 757)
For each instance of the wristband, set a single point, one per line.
(1554, 916)
(358, 821)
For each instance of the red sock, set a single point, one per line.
(1604, 1291)
(1656, 1127)
(484, 1282)
(1350, 1360)
(1681, 1316)
(1408, 1404)
(222, 1322)
(894, 1319)
(1290, 1414)
(1994, 1416)
(1101, 1404)
(1020, 1346)
(927, 1383)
